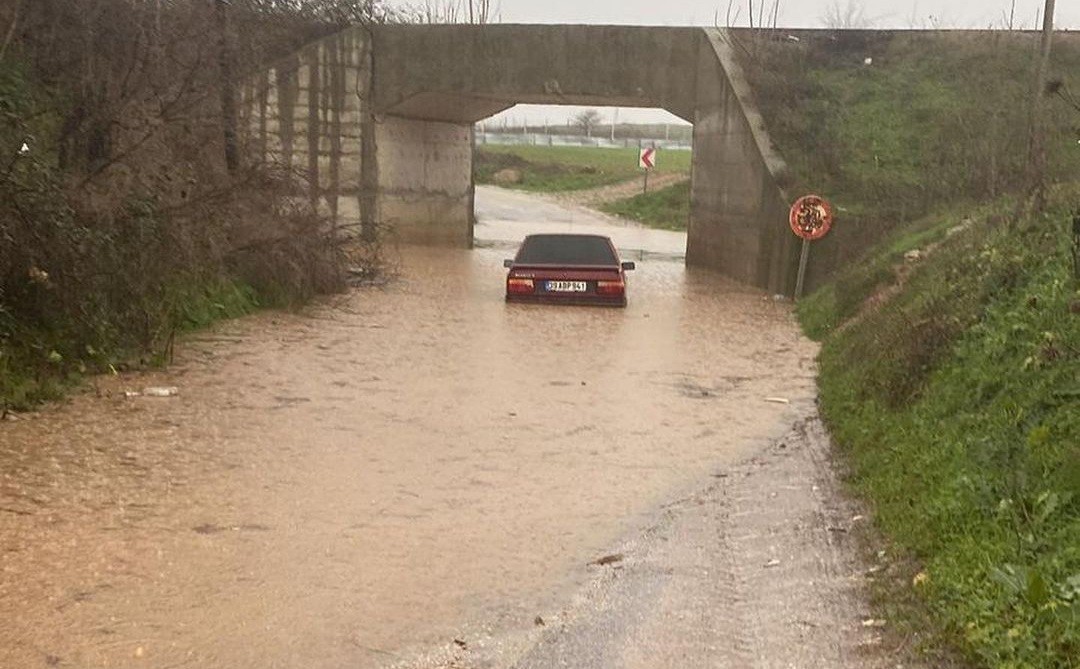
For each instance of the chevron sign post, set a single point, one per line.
(647, 161)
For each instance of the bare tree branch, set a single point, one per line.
(846, 16)
(11, 29)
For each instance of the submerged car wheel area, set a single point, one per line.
(567, 269)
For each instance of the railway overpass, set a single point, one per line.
(380, 118)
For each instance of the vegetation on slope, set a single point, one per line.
(957, 402)
(950, 376)
(934, 120)
(663, 209)
(567, 168)
(122, 222)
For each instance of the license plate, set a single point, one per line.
(567, 286)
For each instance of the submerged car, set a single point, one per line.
(567, 269)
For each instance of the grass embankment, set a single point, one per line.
(957, 403)
(663, 209)
(951, 384)
(548, 169)
(937, 119)
(42, 362)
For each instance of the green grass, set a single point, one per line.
(664, 209)
(937, 120)
(842, 298)
(568, 168)
(957, 405)
(39, 364)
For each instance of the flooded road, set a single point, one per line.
(383, 473)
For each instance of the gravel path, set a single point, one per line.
(757, 571)
(597, 196)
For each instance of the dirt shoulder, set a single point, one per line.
(759, 570)
(594, 197)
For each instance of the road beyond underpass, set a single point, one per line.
(422, 475)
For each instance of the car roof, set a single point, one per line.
(567, 249)
(567, 234)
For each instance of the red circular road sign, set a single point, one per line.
(811, 217)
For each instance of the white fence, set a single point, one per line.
(540, 139)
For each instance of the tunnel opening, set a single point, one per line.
(623, 172)
(384, 120)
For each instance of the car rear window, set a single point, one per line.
(566, 250)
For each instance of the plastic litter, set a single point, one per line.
(161, 392)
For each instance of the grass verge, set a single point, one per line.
(549, 169)
(932, 118)
(957, 405)
(663, 209)
(39, 364)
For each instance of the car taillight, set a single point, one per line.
(610, 287)
(519, 286)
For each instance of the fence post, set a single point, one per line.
(1076, 247)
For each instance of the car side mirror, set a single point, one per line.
(629, 266)
(508, 263)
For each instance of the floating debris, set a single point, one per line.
(161, 391)
(608, 559)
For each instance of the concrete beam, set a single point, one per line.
(616, 65)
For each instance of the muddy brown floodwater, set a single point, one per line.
(341, 487)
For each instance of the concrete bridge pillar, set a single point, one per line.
(738, 208)
(425, 180)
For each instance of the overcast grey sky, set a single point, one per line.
(793, 14)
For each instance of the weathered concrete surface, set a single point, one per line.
(309, 115)
(384, 116)
(425, 180)
(738, 210)
(466, 73)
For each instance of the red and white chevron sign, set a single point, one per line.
(647, 160)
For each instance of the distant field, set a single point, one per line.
(664, 209)
(567, 168)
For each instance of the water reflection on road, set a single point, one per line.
(379, 472)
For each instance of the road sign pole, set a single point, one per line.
(646, 188)
(811, 217)
(803, 260)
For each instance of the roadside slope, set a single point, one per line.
(957, 402)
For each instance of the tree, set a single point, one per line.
(587, 120)
(13, 23)
(845, 16)
(1037, 152)
(477, 12)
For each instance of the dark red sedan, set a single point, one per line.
(567, 269)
